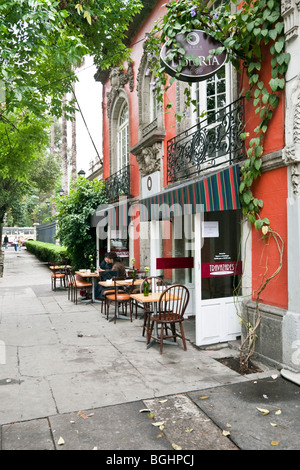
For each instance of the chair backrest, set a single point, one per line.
(72, 276)
(115, 286)
(174, 300)
(156, 284)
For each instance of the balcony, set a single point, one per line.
(118, 184)
(213, 142)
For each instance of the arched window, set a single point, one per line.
(122, 137)
(154, 105)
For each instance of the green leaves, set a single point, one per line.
(73, 219)
(42, 41)
(253, 28)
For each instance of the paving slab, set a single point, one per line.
(239, 408)
(28, 435)
(119, 427)
(186, 426)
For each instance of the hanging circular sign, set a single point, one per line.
(200, 64)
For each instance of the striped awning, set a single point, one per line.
(216, 192)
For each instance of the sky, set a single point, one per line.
(89, 96)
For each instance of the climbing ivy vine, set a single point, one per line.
(250, 32)
(253, 35)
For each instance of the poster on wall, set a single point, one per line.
(210, 229)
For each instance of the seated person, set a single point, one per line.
(117, 270)
(106, 263)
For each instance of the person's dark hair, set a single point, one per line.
(119, 266)
(112, 255)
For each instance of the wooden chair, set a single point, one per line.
(156, 284)
(171, 307)
(75, 284)
(119, 299)
(58, 274)
(105, 293)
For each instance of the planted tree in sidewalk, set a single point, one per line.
(73, 216)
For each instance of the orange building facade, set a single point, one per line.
(177, 193)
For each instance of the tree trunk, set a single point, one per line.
(74, 150)
(64, 151)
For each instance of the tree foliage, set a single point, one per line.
(73, 220)
(43, 40)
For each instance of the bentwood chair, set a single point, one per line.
(120, 299)
(156, 284)
(171, 307)
(58, 274)
(75, 284)
(107, 291)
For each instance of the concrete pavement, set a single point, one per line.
(70, 380)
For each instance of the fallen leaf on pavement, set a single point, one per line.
(203, 398)
(263, 411)
(278, 412)
(189, 430)
(226, 433)
(60, 441)
(158, 423)
(176, 447)
(274, 443)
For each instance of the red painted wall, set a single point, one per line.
(272, 189)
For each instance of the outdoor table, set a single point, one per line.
(153, 298)
(59, 267)
(120, 283)
(94, 276)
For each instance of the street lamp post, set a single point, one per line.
(81, 173)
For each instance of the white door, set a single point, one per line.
(216, 266)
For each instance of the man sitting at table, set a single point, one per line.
(117, 270)
(107, 262)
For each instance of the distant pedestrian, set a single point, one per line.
(15, 243)
(20, 243)
(6, 241)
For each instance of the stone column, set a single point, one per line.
(291, 321)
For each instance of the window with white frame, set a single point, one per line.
(122, 137)
(154, 105)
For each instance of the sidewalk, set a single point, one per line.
(70, 380)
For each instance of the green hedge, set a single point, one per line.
(48, 251)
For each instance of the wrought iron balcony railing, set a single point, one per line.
(213, 142)
(118, 184)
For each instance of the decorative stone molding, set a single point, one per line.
(291, 153)
(149, 159)
(295, 179)
(118, 79)
(290, 13)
